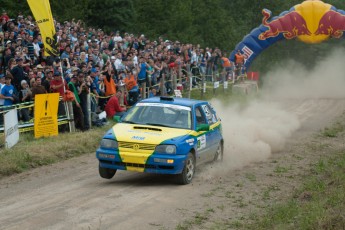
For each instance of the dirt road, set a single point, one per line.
(71, 195)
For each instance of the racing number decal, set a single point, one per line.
(207, 111)
(201, 142)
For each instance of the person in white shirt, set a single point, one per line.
(118, 62)
(117, 38)
(36, 47)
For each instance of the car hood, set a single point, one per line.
(147, 134)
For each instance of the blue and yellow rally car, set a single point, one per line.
(162, 135)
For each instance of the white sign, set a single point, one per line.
(216, 84)
(11, 128)
(225, 85)
(178, 93)
(204, 87)
(201, 142)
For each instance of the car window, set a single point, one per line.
(173, 116)
(210, 114)
(200, 117)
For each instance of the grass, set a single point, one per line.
(318, 203)
(31, 153)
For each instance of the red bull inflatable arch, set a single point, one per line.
(312, 21)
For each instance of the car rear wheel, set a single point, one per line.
(105, 172)
(188, 171)
(219, 153)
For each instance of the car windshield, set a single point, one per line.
(159, 114)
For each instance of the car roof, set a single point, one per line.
(173, 100)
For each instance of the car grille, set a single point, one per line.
(136, 146)
(146, 166)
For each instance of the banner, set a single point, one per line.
(46, 114)
(11, 128)
(44, 18)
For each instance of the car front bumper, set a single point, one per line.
(140, 162)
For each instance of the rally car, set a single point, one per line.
(163, 135)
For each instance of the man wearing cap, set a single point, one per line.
(7, 91)
(48, 77)
(57, 85)
(18, 74)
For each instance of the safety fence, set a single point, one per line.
(179, 81)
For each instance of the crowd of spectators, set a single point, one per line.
(93, 62)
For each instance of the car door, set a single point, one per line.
(213, 134)
(203, 138)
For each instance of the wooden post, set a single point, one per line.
(162, 85)
(70, 116)
(88, 104)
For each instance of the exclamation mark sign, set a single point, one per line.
(46, 108)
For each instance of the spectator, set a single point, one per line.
(77, 111)
(18, 74)
(25, 95)
(4, 16)
(48, 77)
(83, 91)
(227, 67)
(37, 87)
(239, 60)
(57, 85)
(142, 71)
(109, 83)
(7, 91)
(113, 107)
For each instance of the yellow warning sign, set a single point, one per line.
(46, 115)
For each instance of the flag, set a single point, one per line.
(44, 18)
(247, 51)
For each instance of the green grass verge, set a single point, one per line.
(31, 153)
(319, 204)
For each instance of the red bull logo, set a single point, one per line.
(331, 24)
(310, 21)
(290, 25)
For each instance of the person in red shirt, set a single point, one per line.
(4, 16)
(113, 107)
(58, 85)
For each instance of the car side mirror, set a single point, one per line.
(202, 127)
(117, 118)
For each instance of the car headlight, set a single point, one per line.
(109, 144)
(167, 149)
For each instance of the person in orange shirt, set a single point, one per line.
(109, 83)
(130, 81)
(227, 67)
(132, 88)
(239, 60)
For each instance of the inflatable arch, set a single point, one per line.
(310, 22)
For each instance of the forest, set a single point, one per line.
(213, 23)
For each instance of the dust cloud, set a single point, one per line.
(255, 131)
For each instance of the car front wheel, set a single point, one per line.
(105, 172)
(188, 171)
